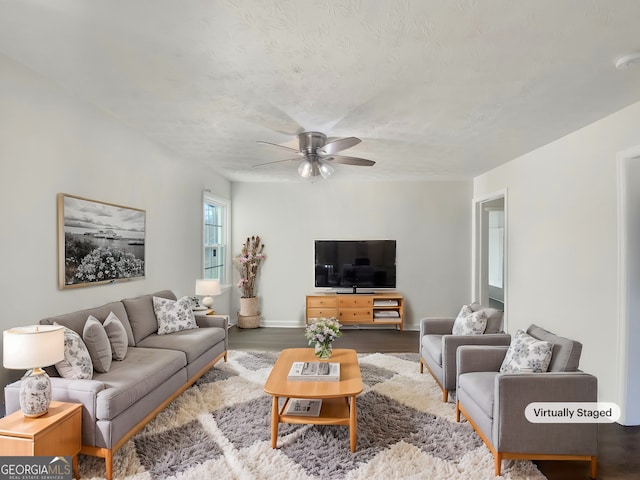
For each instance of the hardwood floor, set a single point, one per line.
(618, 446)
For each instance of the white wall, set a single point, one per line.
(431, 222)
(51, 142)
(562, 239)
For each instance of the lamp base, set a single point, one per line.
(207, 302)
(35, 393)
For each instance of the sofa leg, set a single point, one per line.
(457, 412)
(108, 462)
(445, 395)
(498, 463)
(594, 467)
(421, 366)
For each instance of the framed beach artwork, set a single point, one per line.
(98, 242)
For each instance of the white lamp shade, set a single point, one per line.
(34, 346)
(208, 287)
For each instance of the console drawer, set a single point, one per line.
(355, 315)
(327, 312)
(322, 302)
(354, 301)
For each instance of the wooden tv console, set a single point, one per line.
(360, 309)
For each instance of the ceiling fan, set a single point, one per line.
(318, 154)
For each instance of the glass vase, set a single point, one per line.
(323, 350)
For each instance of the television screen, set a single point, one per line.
(355, 263)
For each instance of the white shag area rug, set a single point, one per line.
(220, 428)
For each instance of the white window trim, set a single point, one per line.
(223, 202)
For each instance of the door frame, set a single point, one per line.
(628, 284)
(479, 237)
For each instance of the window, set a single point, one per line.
(215, 230)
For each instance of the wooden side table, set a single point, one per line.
(57, 433)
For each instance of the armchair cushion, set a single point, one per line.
(480, 387)
(494, 317)
(526, 354)
(566, 352)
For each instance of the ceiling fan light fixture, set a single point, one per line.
(325, 169)
(305, 170)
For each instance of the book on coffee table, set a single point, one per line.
(304, 406)
(314, 372)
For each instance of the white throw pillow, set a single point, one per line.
(527, 354)
(117, 336)
(77, 361)
(173, 315)
(469, 322)
(97, 342)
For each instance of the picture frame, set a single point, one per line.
(99, 242)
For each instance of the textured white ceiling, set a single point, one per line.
(435, 89)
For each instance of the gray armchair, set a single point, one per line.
(438, 345)
(494, 403)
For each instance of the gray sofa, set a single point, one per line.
(494, 403)
(157, 368)
(438, 345)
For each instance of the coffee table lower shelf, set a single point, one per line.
(338, 398)
(334, 411)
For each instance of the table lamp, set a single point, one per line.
(208, 288)
(33, 347)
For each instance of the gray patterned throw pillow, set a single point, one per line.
(527, 354)
(173, 315)
(77, 361)
(469, 322)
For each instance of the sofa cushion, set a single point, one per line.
(132, 379)
(432, 345)
(480, 387)
(192, 342)
(174, 315)
(472, 324)
(141, 315)
(494, 317)
(566, 352)
(97, 341)
(76, 320)
(77, 361)
(526, 354)
(117, 336)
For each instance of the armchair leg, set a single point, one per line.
(421, 366)
(498, 463)
(458, 412)
(445, 395)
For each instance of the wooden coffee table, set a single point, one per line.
(338, 398)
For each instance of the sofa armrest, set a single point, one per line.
(436, 326)
(451, 343)
(84, 392)
(220, 321)
(480, 358)
(513, 392)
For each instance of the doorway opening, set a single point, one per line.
(489, 283)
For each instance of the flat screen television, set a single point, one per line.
(354, 264)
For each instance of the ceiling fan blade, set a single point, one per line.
(338, 145)
(277, 161)
(361, 162)
(279, 146)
